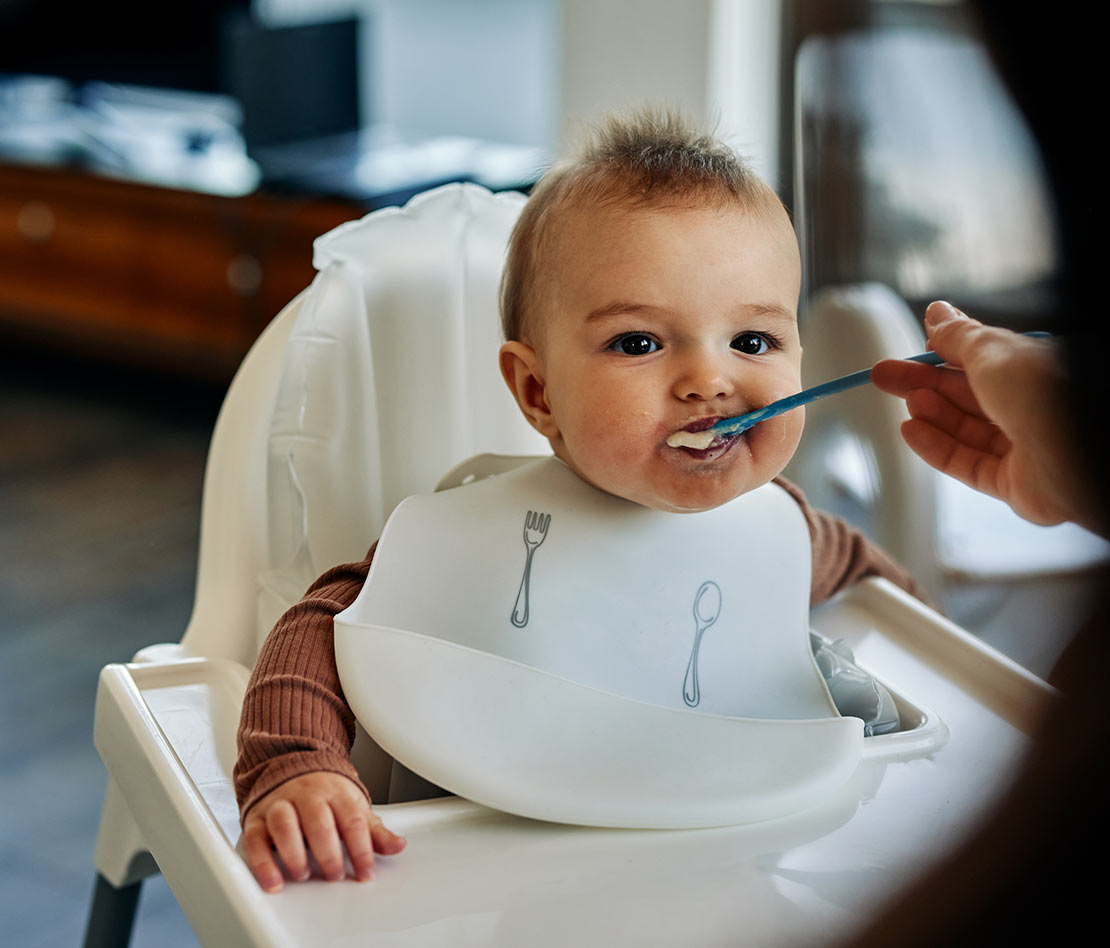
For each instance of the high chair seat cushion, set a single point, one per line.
(390, 377)
(544, 647)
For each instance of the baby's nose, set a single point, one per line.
(704, 377)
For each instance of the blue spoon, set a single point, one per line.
(741, 423)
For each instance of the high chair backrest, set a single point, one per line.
(375, 382)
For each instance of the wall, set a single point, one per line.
(530, 71)
(716, 60)
(478, 68)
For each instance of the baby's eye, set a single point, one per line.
(751, 343)
(634, 344)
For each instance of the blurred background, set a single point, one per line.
(164, 170)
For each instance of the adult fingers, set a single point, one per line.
(900, 377)
(260, 856)
(978, 469)
(954, 335)
(991, 356)
(966, 428)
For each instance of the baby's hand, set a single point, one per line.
(319, 809)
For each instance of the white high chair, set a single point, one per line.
(293, 438)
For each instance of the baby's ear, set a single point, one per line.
(523, 373)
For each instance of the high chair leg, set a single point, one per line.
(121, 854)
(122, 862)
(111, 914)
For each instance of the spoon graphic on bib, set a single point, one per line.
(707, 607)
(728, 427)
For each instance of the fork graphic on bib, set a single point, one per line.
(535, 530)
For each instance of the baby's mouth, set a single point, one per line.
(698, 436)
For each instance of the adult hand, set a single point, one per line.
(327, 812)
(994, 417)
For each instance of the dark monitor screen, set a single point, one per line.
(293, 82)
(174, 44)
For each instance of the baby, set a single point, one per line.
(650, 290)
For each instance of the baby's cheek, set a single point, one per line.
(793, 423)
(623, 431)
(604, 446)
(783, 390)
(777, 440)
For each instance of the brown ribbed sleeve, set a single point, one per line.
(842, 555)
(295, 719)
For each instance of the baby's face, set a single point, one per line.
(656, 321)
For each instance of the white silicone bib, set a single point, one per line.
(541, 646)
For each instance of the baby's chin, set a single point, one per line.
(697, 499)
(688, 505)
(684, 493)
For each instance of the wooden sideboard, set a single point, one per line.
(170, 279)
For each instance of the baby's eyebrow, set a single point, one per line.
(745, 310)
(620, 308)
(768, 310)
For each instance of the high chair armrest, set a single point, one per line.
(876, 610)
(476, 876)
(166, 734)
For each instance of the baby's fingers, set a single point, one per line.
(386, 842)
(354, 827)
(260, 857)
(364, 834)
(284, 829)
(318, 825)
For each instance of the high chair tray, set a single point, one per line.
(473, 876)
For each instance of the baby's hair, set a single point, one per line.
(650, 157)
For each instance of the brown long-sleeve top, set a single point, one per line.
(295, 719)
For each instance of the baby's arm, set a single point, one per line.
(296, 725)
(842, 555)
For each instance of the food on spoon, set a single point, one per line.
(698, 440)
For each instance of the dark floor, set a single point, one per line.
(100, 479)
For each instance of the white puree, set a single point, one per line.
(698, 440)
